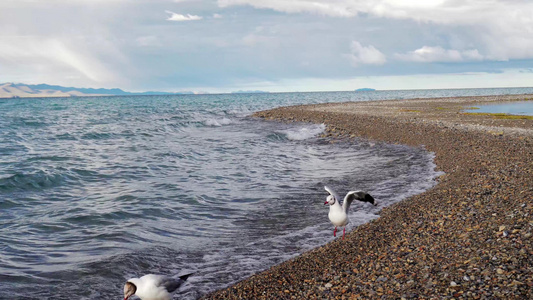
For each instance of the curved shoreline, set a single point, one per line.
(469, 236)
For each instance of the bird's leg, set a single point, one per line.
(343, 232)
(335, 231)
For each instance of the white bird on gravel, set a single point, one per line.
(338, 215)
(153, 287)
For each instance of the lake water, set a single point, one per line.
(96, 190)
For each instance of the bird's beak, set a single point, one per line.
(326, 202)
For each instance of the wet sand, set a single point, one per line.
(468, 237)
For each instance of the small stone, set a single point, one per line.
(453, 283)
(499, 271)
(516, 282)
(466, 278)
(328, 285)
(501, 228)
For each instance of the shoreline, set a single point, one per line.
(469, 236)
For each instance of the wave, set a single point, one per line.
(304, 133)
(43, 179)
(97, 136)
(34, 181)
(218, 122)
(179, 185)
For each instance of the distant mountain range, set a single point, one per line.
(20, 90)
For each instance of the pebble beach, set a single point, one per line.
(469, 237)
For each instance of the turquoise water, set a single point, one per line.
(96, 190)
(524, 108)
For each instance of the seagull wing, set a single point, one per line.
(356, 195)
(171, 283)
(332, 192)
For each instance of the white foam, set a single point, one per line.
(218, 122)
(306, 132)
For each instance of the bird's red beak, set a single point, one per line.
(326, 202)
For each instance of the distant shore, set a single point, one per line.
(469, 236)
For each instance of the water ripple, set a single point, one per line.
(96, 190)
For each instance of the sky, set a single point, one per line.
(268, 45)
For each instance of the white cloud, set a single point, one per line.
(180, 18)
(439, 54)
(333, 8)
(439, 11)
(293, 38)
(502, 29)
(365, 55)
(345, 8)
(43, 55)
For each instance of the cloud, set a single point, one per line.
(439, 54)
(80, 42)
(365, 55)
(332, 8)
(181, 18)
(439, 11)
(40, 54)
(345, 8)
(502, 29)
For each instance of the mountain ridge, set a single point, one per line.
(21, 90)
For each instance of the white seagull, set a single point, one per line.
(153, 287)
(338, 215)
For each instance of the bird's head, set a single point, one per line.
(330, 200)
(129, 290)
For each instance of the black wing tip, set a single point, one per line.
(370, 199)
(184, 277)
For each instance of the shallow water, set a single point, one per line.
(524, 108)
(94, 191)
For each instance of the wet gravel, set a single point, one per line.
(471, 236)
